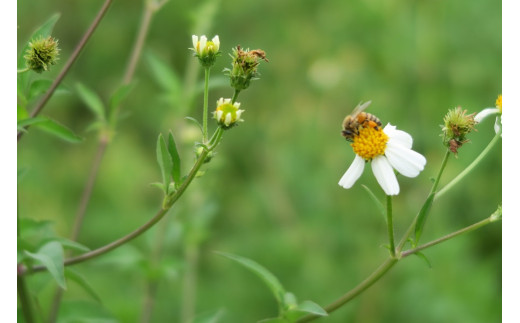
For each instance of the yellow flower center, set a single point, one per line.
(498, 103)
(370, 143)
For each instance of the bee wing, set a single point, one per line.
(359, 108)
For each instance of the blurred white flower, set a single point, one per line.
(227, 114)
(387, 149)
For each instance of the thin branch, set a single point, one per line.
(69, 63)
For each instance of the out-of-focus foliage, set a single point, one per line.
(271, 194)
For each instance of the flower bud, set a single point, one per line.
(42, 53)
(206, 50)
(244, 67)
(456, 126)
(227, 114)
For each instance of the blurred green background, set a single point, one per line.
(271, 192)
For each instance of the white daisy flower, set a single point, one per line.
(206, 50)
(387, 149)
(227, 114)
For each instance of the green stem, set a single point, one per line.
(205, 111)
(160, 214)
(235, 96)
(69, 63)
(364, 285)
(390, 225)
(447, 237)
(23, 70)
(431, 195)
(471, 166)
(25, 299)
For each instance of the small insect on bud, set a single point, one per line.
(227, 114)
(206, 50)
(244, 67)
(42, 53)
(456, 126)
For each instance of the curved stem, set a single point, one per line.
(447, 237)
(365, 284)
(235, 96)
(390, 225)
(471, 166)
(69, 63)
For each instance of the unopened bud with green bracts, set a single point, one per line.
(244, 67)
(41, 54)
(457, 124)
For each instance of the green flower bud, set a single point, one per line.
(456, 126)
(244, 67)
(227, 114)
(206, 51)
(42, 53)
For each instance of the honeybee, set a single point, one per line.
(359, 119)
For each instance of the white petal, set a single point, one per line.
(195, 40)
(399, 136)
(216, 41)
(239, 113)
(353, 173)
(227, 122)
(203, 41)
(406, 161)
(497, 125)
(485, 113)
(219, 115)
(385, 175)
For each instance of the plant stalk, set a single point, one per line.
(205, 111)
(390, 225)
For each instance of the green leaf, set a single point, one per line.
(376, 201)
(58, 130)
(39, 87)
(21, 112)
(66, 243)
(176, 160)
(274, 320)
(312, 308)
(166, 78)
(272, 282)
(92, 101)
(117, 98)
(165, 162)
(82, 282)
(423, 257)
(196, 122)
(51, 256)
(30, 121)
(421, 217)
(209, 317)
(80, 311)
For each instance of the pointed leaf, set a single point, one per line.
(210, 317)
(176, 160)
(311, 307)
(421, 217)
(51, 256)
(195, 121)
(59, 130)
(272, 282)
(376, 201)
(117, 98)
(92, 101)
(39, 87)
(66, 243)
(423, 257)
(30, 121)
(81, 281)
(165, 162)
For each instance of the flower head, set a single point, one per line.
(42, 53)
(457, 125)
(206, 50)
(492, 111)
(244, 67)
(227, 113)
(387, 149)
